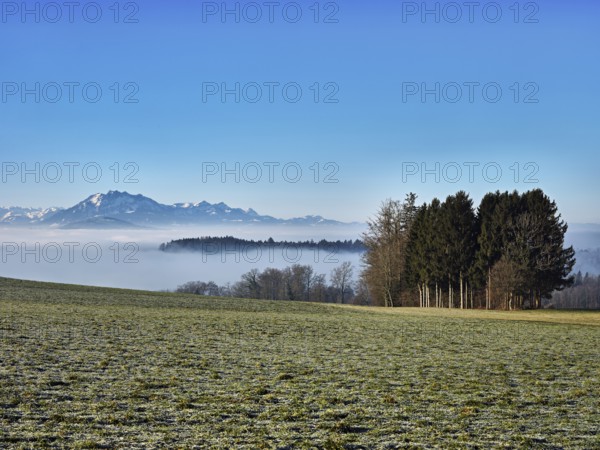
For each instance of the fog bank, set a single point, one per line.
(131, 259)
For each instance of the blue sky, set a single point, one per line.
(375, 53)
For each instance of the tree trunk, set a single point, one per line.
(449, 292)
(462, 304)
(488, 300)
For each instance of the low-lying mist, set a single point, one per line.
(131, 259)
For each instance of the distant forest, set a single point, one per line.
(230, 243)
(584, 294)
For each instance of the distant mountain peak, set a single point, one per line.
(97, 199)
(120, 207)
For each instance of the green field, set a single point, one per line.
(88, 367)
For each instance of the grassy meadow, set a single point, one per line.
(84, 367)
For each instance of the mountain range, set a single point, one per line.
(117, 209)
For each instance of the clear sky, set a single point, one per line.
(517, 83)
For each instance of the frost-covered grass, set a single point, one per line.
(101, 368)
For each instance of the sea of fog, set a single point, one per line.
(131, 259)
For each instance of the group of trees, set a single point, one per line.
(297, 282)
(508, 254)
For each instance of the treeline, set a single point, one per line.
(229, 243)
(506, 254)
(584, 294)
(297, 282)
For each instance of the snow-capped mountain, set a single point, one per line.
(123, 206)
(25, 216)
(121, 209)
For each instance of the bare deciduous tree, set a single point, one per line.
(341, 280)
(386, 241)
